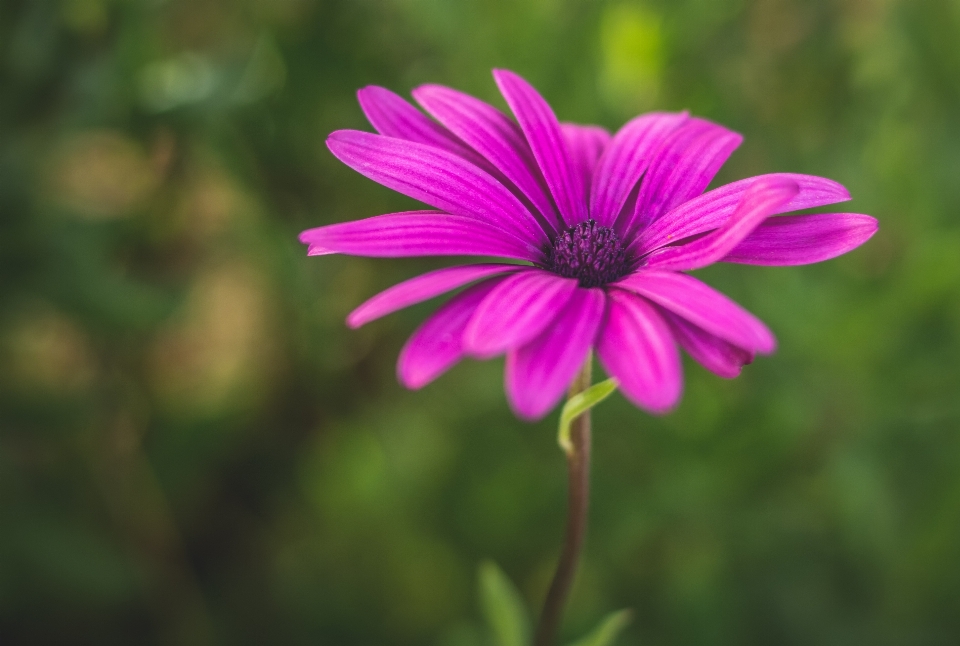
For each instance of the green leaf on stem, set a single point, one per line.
(608, 630)
(581, 403)
(502, 607)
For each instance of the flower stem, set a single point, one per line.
(578, 472)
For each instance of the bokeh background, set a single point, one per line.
(195, 450)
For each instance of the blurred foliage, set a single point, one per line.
(608, 631)
(508, 621)
(507, 617)
(195, 450)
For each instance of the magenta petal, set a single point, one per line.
(417, 233)
(422, 288)
(712, 352)
(803, 239)
(436, 177)
(703, 306)
(624, 161)
(437, 343)
(545, 137)
(762, 199)
(636, 347)
(493, 135)
(393, 116)
(681, 170)
(538, 373)
(712, 209)
(516, 311)
(586, 145)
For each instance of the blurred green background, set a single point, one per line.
(195, 450)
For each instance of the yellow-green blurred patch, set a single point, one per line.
(631, 46)
(101, 174)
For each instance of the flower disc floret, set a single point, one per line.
(590, 253)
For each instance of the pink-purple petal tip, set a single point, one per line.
(803, 239)
(703, 306)
(421, 288)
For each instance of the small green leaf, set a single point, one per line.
(581, 403)
(502, 607)
(608, 630)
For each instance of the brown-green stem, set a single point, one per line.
(578, 471)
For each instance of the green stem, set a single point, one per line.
(578, 470)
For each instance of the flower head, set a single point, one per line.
(605, 227)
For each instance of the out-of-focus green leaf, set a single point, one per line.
(578, 404)
(502, 607)
(608, 630)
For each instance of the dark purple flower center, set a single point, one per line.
(590, 253)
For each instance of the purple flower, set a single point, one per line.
(604, 227)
